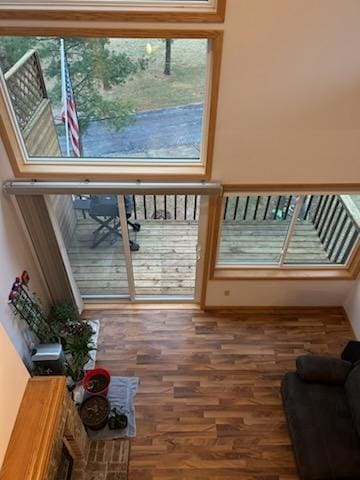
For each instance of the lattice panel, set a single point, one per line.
(26, 88)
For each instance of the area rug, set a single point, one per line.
(121, 396)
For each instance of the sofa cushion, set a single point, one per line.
(325, 441)
(314, 368)
(352, 388)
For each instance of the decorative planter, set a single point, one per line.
(94, 412)
(97, 381)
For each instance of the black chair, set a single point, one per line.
(105, 211)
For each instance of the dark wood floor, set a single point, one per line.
(208, 405)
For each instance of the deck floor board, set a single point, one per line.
(166, 261)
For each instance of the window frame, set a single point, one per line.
(191, 11)
(282, 271)
(101, 169)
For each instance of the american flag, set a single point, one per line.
(68, 108)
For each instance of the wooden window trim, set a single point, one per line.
(287, 272)
(103, 170)
(137, 13)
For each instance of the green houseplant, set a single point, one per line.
(75, 335)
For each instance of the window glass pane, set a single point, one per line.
(326, 230)
(165, 262)
(89, 226)
(254, 229)
(133, 99)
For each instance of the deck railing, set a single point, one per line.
(335, 226)
(166, 207)
(26, 87)
(334, 223)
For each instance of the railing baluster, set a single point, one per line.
(330, 222)
(334, 227)
(287, 207)
(308, 207)
(134, 206)
(343, 241)
(277, 207)
(195, 205)
(338, 236)
(256, 207)
(267, 207)
(326, 215)
(185, 207)
(350, 246)
(246, 207)
(155, 209)
(165, 212)
(317, 208)
(145, 210)
(226, 207)
(175, 207)
(321, 211)
(236, 208)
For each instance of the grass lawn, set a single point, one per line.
(151, 89)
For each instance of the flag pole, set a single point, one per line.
(64, 95)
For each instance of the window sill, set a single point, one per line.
(111, 172)
(317, 273)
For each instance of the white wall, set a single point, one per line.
(13, 380)
(289, 107)
(16, 256)
(279, 293)
(352, 307)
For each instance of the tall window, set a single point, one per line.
(119, 100)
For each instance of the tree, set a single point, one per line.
(11, 50)
(94, 69)
(168, 43)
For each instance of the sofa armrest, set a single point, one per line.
(314, 368)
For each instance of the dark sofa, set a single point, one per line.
(322, 404)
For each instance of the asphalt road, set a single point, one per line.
(156, 130)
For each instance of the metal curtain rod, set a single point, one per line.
(20, 187)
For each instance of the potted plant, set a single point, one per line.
(97, 381)
(117, 420)
(94, 412)
(78, 348)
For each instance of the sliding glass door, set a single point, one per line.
(89, 228)
(131, 247)
(166, 262)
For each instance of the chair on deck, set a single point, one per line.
(105, 211)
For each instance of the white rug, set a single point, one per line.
(122, 392)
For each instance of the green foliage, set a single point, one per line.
(12, 49)
(75, 335)
(94, 70)
(78, 348)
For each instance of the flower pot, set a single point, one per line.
(94, 412)
(97, 381)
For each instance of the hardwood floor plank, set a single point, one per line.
(208, 404)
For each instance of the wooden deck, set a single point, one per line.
(262, 242)
(166, 261)
(164, 265)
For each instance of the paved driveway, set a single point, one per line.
(154, 133)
